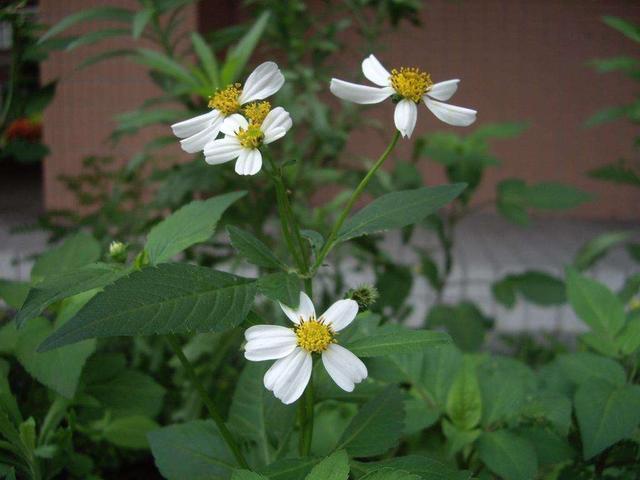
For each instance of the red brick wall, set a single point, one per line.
(518, 60)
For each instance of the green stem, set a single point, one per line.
(206, 399)
(328, 245)
(306, 420)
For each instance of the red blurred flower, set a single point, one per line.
(25, 129)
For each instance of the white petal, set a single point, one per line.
(340, 314)
(451, 114)
(222, 150)
(266, 331)
(272, 346)
(359, 93)
(263, 82)
(375, 72)
(443, 90)
(289, 376)
(189, 127)
(233, 123)
(276, 120)
(249, 162)
(305, 310)
(344, 367)
(196, 142)
(405, 116)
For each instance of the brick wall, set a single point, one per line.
(518, 59)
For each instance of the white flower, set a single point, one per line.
(292, 348)
(409, 86)
(196, 132)
(243, 138)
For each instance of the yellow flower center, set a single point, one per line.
(410, 83)
(227, 100)
(314, 336)
(256, 112)
(251, 137)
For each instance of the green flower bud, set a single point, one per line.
(364, 295)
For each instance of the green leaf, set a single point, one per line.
(389, 474)
(581, 367)
(595, 249)
(95, 36)
(129, 432)
(464, 401)
(166, 65)
(551, 447)
(628, 29)
(207, 59)
(458, 439)
(193, 223)
(288, 468)
(334, 467)
(13, 292)
(400, 341)
(238, 55)
(427, 468)
(595, 304)
(60, 369)
(169, 298)
(550, 407)
(57, 287)
(618, 172)
(253, 249)
(75, 252)
(508, 455)
(377, 426)
(257, 416)
(246, 475)
(628, 340)
(466, 324)
(281, 287)
(129, 393)
(606, 414)
(193, 450)
(398, 209)
(315, 239)
(555, 196)
(113, 14)
(8, 403)
(140, 21)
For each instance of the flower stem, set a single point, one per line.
(329, 244)
(306, 420)
(174, 343)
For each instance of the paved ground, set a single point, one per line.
(487, 248)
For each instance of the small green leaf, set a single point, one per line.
(76, 251)
(334, 467)
(169, 298)
(508, 455)
(458, 439)
(281, 287)
(253, 249)
(595, 304)
(288, 468)
(606, 414)
(465, 322)
(239, 54)
(166, 65)
(628, 340)
(207, 59)
(140, 21)
(464, 402)
(595, 249)
(628, 29)
(129, 432)
(193, 223)
(377, 426)
(194, 450)
(14, 293)
(398, 209)
(401, 341)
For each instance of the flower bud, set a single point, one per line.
(118, 251)
(365, 296)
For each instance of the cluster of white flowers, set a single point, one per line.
(247, 122)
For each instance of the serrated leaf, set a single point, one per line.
(508, 455)
(334, 467)
(288, 468)
(193, 450)
(401, 341)
(193, 223)
(427, 468)
(595, 304)
(57, 287)
(464, 401)
(169, 298)
(253, 249)
(398, 209)
(377, 426)
(74, 252)
(606, 414)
